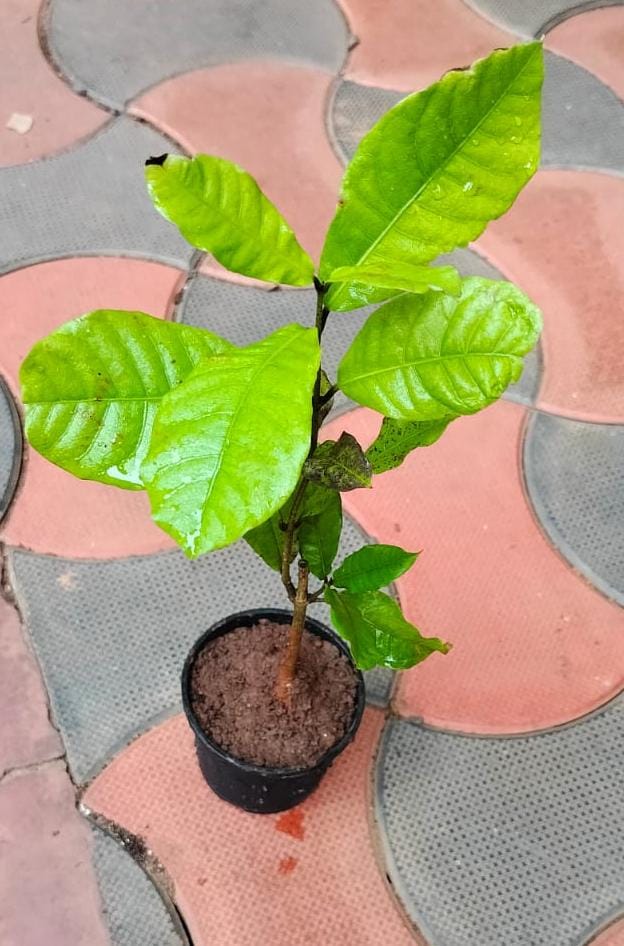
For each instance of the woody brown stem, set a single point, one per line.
(288, 665)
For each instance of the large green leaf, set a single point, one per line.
(425, 357)
(397, 438)
(91, 389)
(377, 632)
(319, 534)
(219, 208)
(362, 283)
(372, 567)
(439, 165)
(228, 445)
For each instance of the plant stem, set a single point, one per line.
(288, 665)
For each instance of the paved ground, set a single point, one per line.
(482, 801)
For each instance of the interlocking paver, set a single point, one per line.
(529, 17)
(10, 448)
(593, 39)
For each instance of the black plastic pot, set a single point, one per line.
(259, 788)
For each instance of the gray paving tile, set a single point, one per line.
(133, 909)
(111, 637)
(88, 201)
(575, 478)
(531, 17)
(583, 120)
(10, 448)
(116, 49)
(506, 842)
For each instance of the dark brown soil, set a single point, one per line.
(233, 695)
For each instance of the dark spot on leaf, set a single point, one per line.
(158, 161)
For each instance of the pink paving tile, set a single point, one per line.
(612, 936)
(269, 118)
(571, 266)
(309, 876)
(595, 40)
(29, 86)
(417, 42)
(533, 644)
(49, 890)
(27, 735)
(54, 512)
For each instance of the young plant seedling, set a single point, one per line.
(225, 440)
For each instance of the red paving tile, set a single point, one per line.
(54, 512)
(270, 119)
(239, 878)
(49, 890)
(613, 936)
(29, 86)
(417, 43)
(533, 644)
(573, 271)
(27, 734)
(595, 40)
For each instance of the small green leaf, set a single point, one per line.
(397, 438)
(362, 283)
(216, 467)
(377, 632)
(91, 389)
(439, 166)
(425, 357)
(373, 567)
(219, 208)
(267, 541)
(319, 534)
(339, 464)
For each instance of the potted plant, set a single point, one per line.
(226, 441)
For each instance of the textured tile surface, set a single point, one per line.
(534, 645)
(574, 478)
(512, 842)
(268, 118)
(112, 636)
(529, 17)
(49, 891)
(133, 909)
(595, 40)
(612, 936)
(27, 734)
(10, 448)
(29, 86)
(318, 884)
(89, 201)
(152, 41)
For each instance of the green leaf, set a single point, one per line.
(339, 464)
(397, 438)
(91, 389)
(319, 535)
(439, 166)
(362, 283)
(228, 445)
(219, 208)
(377, 632)
(425, 357)
(373, 567)
(267, 541)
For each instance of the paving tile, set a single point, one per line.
(506, 841)
(270, 119)
(116, 51)
(28, 85)
(54, 511)
(595, 40)
(111, 637)
(418, 42)
(529, 17)
(322, 886)
(612, 936)
(10, 448)
(135, 912)
(573, 473)
(28, 737)
(582, 120)
(573, 273)
(533, 644)
(90, 201)
(49, 890)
